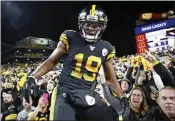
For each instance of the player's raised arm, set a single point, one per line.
(55, 57)
(110, 77)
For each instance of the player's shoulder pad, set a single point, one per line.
(66, 36)
(107, 42)
(68, 32)
(109, 45)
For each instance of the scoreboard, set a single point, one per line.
(156, 36)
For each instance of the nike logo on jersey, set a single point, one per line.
(92, 48)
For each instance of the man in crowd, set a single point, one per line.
(23, 115)
(165, 111)
(8, 108)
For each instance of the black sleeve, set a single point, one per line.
(129, 75)
(137, 76)
(120, 105)
(167, 78)
(172, 69)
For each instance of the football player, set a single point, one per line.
(84, 52)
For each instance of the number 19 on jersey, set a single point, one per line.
(77, 72)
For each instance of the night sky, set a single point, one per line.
(49, 19)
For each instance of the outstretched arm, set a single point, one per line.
(111, 79)
(55, 57)
(166, 77)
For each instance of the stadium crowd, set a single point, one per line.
(148, 82)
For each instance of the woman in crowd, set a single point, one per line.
(41, 112)
(138, 105)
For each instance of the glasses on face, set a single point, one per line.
(136, 95)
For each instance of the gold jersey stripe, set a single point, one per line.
(111, 55)
(113, 51)
(53, 101)
(63, 38)
(93, 10)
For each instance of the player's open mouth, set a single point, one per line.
(90, 32)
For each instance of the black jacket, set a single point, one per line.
(167, 78)
(172, 69)
(133, 116)
(155, 114)
(129, 75)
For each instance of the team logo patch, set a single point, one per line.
(92, 48)
(104, 52)
(90, 100)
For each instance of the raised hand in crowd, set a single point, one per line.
(148, 56)
(167, 78)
